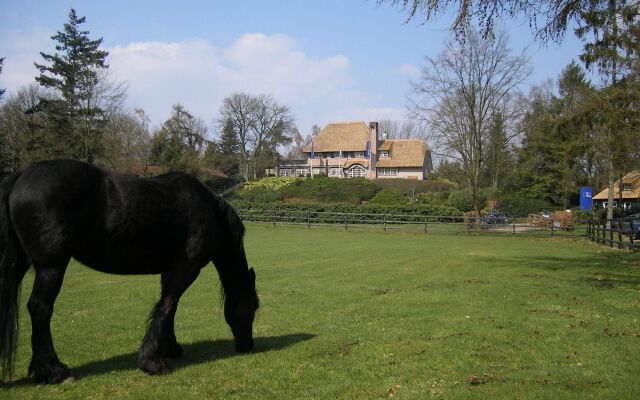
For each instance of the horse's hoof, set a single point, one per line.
(155, 366)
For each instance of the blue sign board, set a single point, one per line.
(586, 198)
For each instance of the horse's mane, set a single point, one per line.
(236, 227)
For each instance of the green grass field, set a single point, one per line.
(368, 315)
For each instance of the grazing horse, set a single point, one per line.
(170, 225)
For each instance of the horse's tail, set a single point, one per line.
(13, 266)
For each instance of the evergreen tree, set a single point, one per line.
(178, 143)
(223, 153)
(611, 34)
(498, 160)
(76, 118)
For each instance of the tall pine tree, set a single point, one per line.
(73, 72)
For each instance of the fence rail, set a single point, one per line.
(612, 234)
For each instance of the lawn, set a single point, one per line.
(368, 315)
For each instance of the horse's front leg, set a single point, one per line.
(45, 365)
(160, 340)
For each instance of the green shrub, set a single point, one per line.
(330, 190)
(434, 198)
(581, 215)
(389, 197)
(463, 199)
(413, 212)
(412, 187)
(270, 182)
(261, 195)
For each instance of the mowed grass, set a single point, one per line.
(368, 315)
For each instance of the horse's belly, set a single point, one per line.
(127, 258)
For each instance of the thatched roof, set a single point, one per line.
(345, 136)
(632, 178)
(403, 153)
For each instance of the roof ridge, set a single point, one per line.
(346, 122)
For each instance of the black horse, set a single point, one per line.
(170, 225)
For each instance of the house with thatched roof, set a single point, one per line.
(355, 149)
(630, 193)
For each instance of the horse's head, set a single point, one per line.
(239, 311)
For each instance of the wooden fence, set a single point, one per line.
(613, 234)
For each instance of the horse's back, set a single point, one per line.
(110, 222)
(52, 201)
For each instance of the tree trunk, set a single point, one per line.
(611, 182)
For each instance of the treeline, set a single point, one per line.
(75, 110)
(569, 136)
(546, 144)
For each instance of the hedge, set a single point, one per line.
(324, 212)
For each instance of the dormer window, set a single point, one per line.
(626, 187)
(384, 153)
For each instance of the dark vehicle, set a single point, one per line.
(631, 226)
(494, 217)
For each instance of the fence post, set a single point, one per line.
(631, 233)
(514, 227)
(384, 217)
(425, 225)
(274, 218)
(345, 221)
(308, 219)
(597, 232)
(552, 226)
(620, 244)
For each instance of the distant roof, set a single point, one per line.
(404, 153)
(345, 136)
(632, 178)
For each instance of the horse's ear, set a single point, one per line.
(252, 274)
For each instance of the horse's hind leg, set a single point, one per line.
(160, 339)
(45, 365)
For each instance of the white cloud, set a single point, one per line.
(409, 71)
(390, 113)
(200, 75)
(21, 50)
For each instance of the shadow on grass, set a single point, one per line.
(194, 353)
(604, 270)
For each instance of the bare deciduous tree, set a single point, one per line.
(408, 129)
(259, 123)
(459, 93)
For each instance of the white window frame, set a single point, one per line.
(384, 153)
(357, 171)
(388, 171)
(358, 154)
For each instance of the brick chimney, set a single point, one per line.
(373, 153)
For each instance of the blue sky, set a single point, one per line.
(328, 60)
